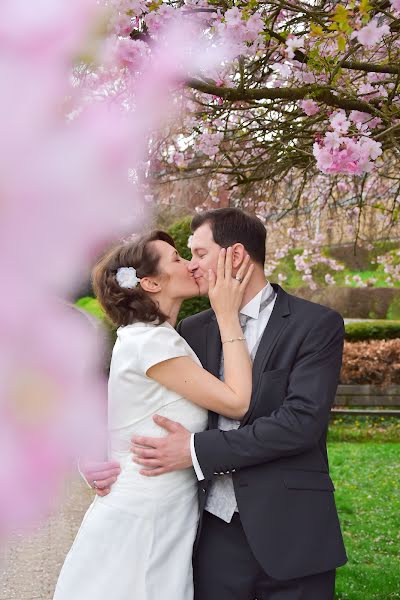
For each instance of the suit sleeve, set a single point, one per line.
(301, 419)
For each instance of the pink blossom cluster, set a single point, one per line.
(208, 143)
(372, 34)
(241, 28)
(241, 32)
(390, 263)
(307, 261)
(310, 107)
(395, 5)
(294, 43)
(337, 152)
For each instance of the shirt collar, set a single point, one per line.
(252, 308)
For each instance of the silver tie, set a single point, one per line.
(221, 500)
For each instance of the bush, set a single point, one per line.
(92, 306)
(372, 330)
(375, 362)
(180, 231)
(394, 309)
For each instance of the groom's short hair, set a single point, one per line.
(233, 226)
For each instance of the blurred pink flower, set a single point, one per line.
(45, 30)
(52, 405)
(67, 152)
(310, 107)
(209, 143)
(395, 5)
(371, 34)
(329, 279)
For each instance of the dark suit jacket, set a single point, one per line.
(278, 456)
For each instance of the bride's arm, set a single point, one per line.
(185, 377)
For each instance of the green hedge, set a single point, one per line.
(360, 330)
(91, 306)
(372, 330)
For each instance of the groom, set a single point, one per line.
(268, 527)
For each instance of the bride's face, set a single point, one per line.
(177, 282)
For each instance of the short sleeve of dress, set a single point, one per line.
(157, 344)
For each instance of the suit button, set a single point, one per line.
(203, 490)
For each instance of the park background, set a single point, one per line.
(290, 110)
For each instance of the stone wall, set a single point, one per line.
(353, 303)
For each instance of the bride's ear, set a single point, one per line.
(238, 255)
(150, 285)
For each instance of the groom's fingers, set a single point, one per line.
(144, 452)
(168, 424)
(146, 442)
(147, 462)
(154, 472)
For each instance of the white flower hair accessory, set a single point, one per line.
(127, 278)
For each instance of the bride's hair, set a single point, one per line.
(124, 306)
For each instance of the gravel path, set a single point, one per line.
(29, 565)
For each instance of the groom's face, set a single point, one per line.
(205, 254)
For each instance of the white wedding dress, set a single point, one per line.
(136, 543)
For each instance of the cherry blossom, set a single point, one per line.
(371, 34)
(395, 5)
(294, 43)
(309, 107)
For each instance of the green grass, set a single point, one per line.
(351, 428)
(366, 477)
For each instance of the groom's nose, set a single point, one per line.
(192, 265)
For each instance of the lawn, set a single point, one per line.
(366, 476)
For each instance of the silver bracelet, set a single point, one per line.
(239, 339)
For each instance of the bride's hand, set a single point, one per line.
(226, 292)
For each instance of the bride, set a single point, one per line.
(136, 542)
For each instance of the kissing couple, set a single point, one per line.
(217, 485)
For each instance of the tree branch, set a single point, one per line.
(320, 93)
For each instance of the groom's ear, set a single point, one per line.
(238, 255)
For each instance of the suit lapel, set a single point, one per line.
(213, 359)
(276, 324)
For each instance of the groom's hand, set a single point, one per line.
(162, 455)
